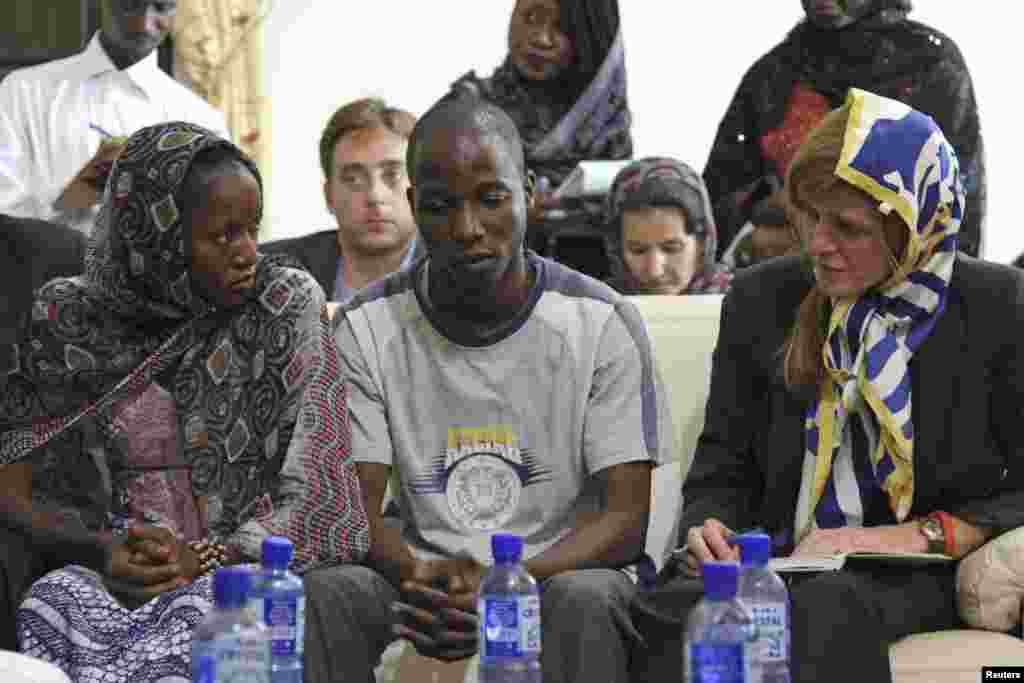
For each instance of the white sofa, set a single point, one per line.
(683, 332)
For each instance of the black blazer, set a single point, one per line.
(32, 252)
(317, 252)
(968, 405)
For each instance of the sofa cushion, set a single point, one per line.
(990, 583)
(955, 656)
(683, 331)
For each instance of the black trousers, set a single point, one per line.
(20, 565)
(843, 622)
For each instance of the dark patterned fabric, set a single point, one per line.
(789, 90)
(672, 180)
(239, 377)
(128, 370)
(558, 134)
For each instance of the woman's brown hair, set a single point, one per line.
(813, 174)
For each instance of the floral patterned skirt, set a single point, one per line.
(68, 618)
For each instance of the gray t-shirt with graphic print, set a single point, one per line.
(502, 433)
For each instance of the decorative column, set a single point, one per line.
(218, 48)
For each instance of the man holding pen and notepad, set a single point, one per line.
(63, 123)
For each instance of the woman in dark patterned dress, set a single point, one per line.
(867, 44)
(168, 410)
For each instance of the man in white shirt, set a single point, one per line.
(62, 123)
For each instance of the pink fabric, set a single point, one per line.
(160, 496)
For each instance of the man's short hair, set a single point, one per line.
(370, 112)
(462, 108)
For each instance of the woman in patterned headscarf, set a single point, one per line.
(867, 44)
(659, 231)
(168, 410)
(871, 404)
(564, 85)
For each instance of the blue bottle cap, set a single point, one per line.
(506, 547)
(755, 548)
(231, 587)
(720, 580)
(276, 552)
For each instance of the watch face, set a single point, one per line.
(932, 529)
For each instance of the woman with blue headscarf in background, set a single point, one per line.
(868, 396)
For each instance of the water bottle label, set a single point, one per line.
(770, 619)
(231, 659)
(717, 663)
(284, 618)
(511, 626)
(204, 664)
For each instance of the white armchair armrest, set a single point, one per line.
(990, 583)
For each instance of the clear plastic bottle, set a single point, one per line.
(509, 612)
(230, 645)
(720, 633)
(765, 594)
(278, 600)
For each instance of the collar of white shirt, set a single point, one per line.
(93, 61)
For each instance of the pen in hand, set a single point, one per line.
(99, 129)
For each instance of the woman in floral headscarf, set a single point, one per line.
(169, 409)
(841, 44)
(660, 233)
(872, 404)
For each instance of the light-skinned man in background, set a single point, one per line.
(362, 155)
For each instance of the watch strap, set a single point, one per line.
(948, 531)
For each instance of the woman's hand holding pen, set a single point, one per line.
(708, 542)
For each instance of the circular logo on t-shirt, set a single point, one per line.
(483, 491)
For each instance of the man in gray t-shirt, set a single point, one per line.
(496, 391)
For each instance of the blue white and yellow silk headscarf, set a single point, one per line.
(900, 157)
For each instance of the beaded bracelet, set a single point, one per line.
(212, 556)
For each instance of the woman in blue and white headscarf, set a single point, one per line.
(871, 402)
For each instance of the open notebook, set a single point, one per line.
(590, 179)
(834, 562)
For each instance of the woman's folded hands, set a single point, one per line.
(148, 561)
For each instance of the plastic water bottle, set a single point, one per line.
(765, 594)
(509, 612)
(230, 645)
(279, 602)
(720, 633)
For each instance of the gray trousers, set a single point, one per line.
(587, 631)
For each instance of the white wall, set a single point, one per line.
(684, 60)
